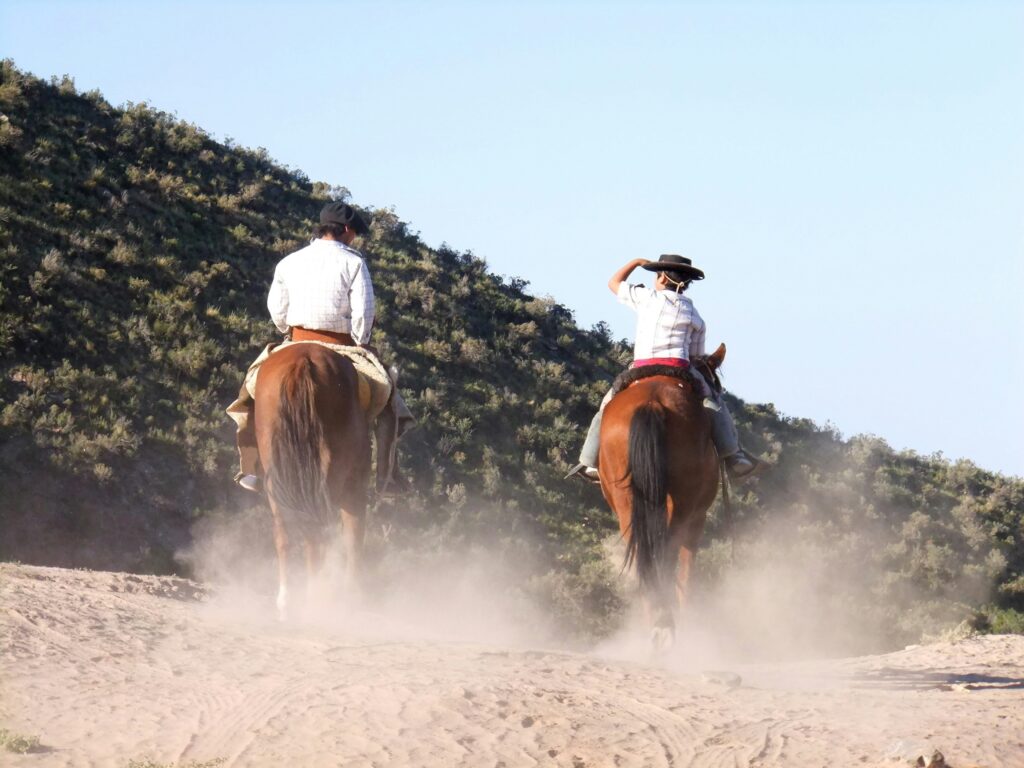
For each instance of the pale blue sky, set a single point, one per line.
(849, 175)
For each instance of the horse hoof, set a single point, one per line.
(720, 677)
(662, 638)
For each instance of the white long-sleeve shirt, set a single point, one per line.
(324, 287)
(667, 323)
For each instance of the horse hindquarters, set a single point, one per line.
(648, 473)
(296, 480)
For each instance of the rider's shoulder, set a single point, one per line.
(319, 246)
(309, 247)
(349, 250)
(636, 291)
(340, 248)
(685, 303)
(695, 316)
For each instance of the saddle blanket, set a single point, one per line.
(374, 381)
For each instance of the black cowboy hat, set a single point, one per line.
(344, 215)
(671, 262)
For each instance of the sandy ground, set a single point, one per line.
(108, 668)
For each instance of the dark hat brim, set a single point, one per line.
(359, 224)
(691, 273)
(345, 215)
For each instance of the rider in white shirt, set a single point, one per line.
(669, 331)
(323, 292)
(325, 286)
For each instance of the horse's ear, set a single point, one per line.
(716, 358)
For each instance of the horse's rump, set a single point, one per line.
(296, 476)
(657, 467)
(315, 440)
(374, 381)
(307, 409)
(659, 474)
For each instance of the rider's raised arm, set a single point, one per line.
(362, 303)
(277, 302)
(623, 272)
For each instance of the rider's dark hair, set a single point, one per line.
(334, 230)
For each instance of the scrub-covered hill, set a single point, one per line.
(135, 255)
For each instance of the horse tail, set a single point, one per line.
(648, 473)
(296, 479)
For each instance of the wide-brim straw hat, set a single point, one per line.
(673, 262)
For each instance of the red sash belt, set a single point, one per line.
(676, 362)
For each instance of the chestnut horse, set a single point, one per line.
(660, 473)
(315, 442)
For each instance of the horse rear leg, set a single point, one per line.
(669, 607)
(661, 617)
(683, 579)
(659, 599)
(352, 531)
(666, 608)
(281, 544)
(315, 587)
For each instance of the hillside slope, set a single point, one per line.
(135, 254)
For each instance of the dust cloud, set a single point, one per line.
(782, 588)
(470, 594)
(792, 586)
(448, 656)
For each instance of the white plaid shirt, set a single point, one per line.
(667, 323)
(324, 287)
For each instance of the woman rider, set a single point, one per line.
(668, 332)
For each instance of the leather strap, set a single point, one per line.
(330, 337)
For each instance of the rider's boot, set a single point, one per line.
(249, 482)
(741, 465)
(385, 436)
(584, 472)
(587, 468)
(250, 469)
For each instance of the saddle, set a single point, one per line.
(699, 366)
(375, 384)
(377, 392)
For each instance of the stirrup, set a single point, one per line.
(741, 465)
(249, 482)
(397, 485)
(584, 473)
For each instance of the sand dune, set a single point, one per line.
(106, 668)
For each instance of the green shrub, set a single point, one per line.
(14, 742)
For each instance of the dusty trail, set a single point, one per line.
(106, 668)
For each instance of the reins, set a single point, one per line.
(726, 502)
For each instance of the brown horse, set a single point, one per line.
(660, 474)
(315, 442)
